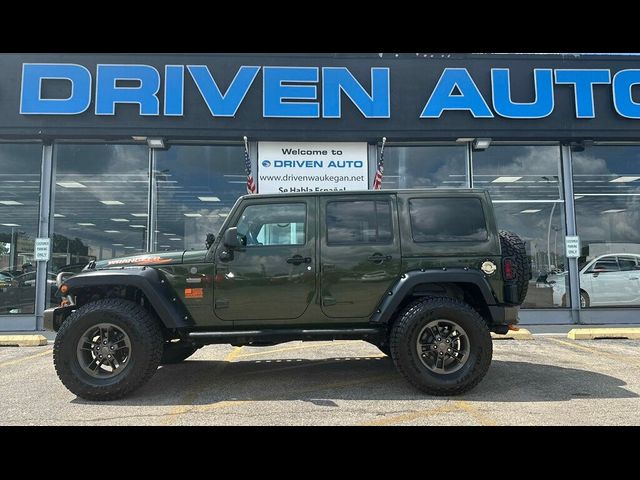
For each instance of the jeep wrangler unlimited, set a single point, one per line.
(423, 274)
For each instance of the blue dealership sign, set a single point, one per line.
(292, 92)
(328, 97)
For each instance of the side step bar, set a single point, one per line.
(285, 335)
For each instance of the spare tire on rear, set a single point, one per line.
(512, 246)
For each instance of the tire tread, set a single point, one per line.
(151, 334)
(402, 327)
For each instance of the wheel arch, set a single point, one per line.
(468, 286)
(145, 286)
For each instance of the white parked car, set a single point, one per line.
(608, 280)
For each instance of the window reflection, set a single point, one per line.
(19, 204)
(431, 220)
(280, 224)
(425, 166)
(355, 222)
(525, 186)
(101, 196)
(606, 183)
(196, 187)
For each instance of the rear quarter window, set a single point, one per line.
(447, 220)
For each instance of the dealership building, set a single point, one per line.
(106, 155)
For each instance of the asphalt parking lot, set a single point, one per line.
(546, 381)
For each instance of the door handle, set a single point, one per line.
(634, 278)
(379, 258)
(298, 259)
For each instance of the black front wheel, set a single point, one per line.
(107, 348)
(441, 346)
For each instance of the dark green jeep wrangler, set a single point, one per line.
(423, 274)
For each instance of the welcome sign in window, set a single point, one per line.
(312, 167)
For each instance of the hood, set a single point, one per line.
(153, 258)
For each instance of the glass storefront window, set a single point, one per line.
(606, 184)
(526, 189)
(19, 204)
(196, 187)
(101, 203)
(426, 166)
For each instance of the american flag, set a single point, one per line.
(251, 185)
(377, 181)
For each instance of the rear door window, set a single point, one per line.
(359, 222)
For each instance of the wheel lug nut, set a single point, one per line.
(441, 353)
(108, 356)
(447, 341)
(105, 342)
(434, 347)
(100, 356)
(113, 347)
(448, 349)
(438, 339)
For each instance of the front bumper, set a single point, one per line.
(53, 317)
(504, 315)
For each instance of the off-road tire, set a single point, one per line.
(176, 352)
(146, 339)
(513, 246)
(405, 356)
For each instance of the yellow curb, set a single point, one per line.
(522, 334)
(595, 333)
(22, 340)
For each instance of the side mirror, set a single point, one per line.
(231, 239)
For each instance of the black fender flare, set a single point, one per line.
(407, 281)
(149, 281)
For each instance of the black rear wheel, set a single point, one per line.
(107, 348)
(442, 346)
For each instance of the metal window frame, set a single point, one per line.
(33, 322)
(571, 229)
(44, 226)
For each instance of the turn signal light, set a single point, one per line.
(508, 269)
(64, 289)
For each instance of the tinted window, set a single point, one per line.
(281, 224)
(366, 221)
(606, 265)
(447, 219)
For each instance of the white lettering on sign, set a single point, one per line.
(42, 249)
(326, 167)
(572, 246)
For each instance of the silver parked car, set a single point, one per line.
(608, 280)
